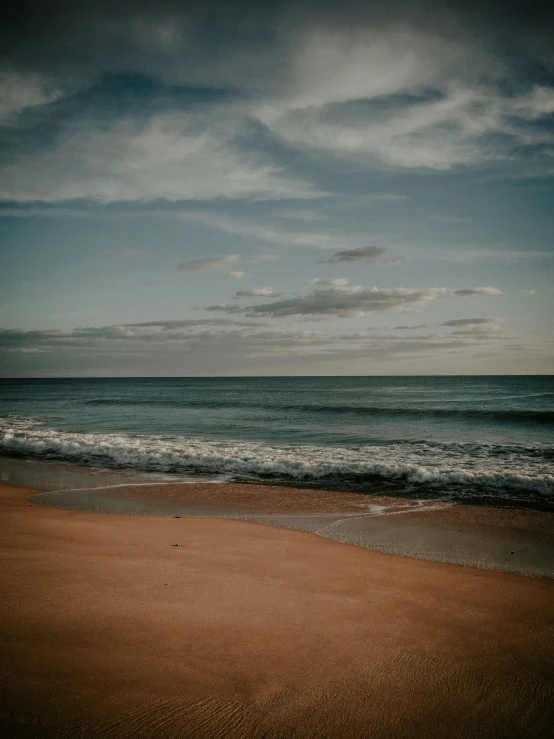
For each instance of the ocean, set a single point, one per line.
(479, 439)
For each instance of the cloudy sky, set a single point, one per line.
(294, 187)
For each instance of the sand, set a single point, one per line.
(245, 630)
(506, 539)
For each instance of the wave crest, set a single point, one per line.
(452, 467)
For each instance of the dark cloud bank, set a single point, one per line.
(167, 100)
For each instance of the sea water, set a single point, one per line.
(464, 438)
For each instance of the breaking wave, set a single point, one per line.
(457, 468)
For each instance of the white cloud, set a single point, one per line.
(20, 92)
(170, 156)
(270, 234)
(370, 60)
(258, 292)
(535, 104)
(477, 291)
(336, 282)
(237, 275)
(529, 292)
(223, 262)
(465, 123)
(390, 261)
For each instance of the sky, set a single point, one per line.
(284, 188)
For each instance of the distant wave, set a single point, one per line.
(470, 413)
(453, 467)
(505, 415)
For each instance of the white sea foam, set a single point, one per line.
(461, 465)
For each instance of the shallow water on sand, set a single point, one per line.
(411, 528)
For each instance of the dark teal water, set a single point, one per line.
(458, 436)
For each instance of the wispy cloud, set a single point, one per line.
(484, 328)
(264, 258)
(347, 302)
(136, 157)
(504, 255)
(192, 343)
(237, 275)
(390, 196)
(477, 291)
(222, 262)
(335, 282)
(256, 231)
(354, 255)
(464, 124)
(19, 92)
(258, 292)
(367, 253)
(469, 321)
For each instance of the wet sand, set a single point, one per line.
(242, 630)
(505, 539)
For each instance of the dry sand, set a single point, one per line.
(245, 630)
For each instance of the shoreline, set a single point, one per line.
(504, 539)
(508, 539)
(54, 473)
(110, 630)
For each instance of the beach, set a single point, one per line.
(155, 626)
(277, 370)
(508, 539)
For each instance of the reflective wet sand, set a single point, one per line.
(509, 540)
